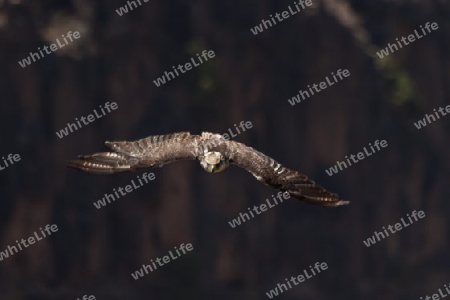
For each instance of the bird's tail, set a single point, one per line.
(104, 163)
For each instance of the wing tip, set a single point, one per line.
(84, 166)
(336, 203)
(328, 200)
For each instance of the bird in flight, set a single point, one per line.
(215, 154)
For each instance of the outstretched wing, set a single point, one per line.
(273, 174)
(153, 151)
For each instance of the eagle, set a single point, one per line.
(215, 154)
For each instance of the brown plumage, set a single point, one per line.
(214, 153)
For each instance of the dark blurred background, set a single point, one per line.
(250, 79)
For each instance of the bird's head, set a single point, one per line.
(214, 162)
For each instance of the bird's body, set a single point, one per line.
(215, 154)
